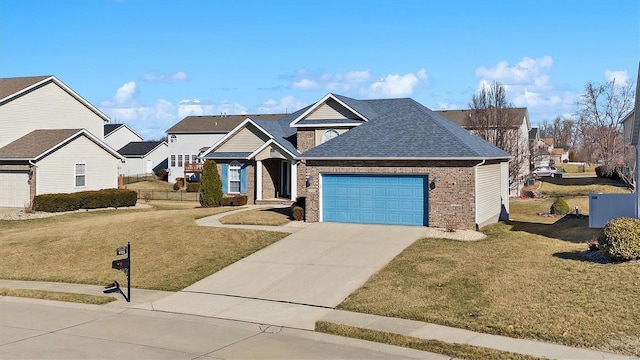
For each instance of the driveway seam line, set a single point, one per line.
(260, 299)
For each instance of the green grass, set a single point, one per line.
(459, 351)
(527, 279)
(269, 217)
(58, 296)
(168, 250)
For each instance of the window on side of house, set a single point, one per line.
(329, 134)
(173, 139)
(179, 160)
(173, 161)
(234, 177)
(80, 173)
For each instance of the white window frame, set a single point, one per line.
(173, 160)
(329, 134)
(173, 139)
(180, 161)
(77, 176)
(234, 168)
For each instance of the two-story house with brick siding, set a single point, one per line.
(387, 161)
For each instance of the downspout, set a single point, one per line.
(475, 190)
(32, 174)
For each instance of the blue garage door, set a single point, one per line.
(375, 199)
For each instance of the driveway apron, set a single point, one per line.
(297, 280)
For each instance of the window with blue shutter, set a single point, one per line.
(234, 177)
(223, 178)
(243, 178)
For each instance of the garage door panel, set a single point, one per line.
(384, 199)
(14, 189)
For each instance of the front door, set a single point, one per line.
(285, 178)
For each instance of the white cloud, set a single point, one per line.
(124, 95)
(287, 104)
(161, 77)
(621, 77)
(305, 84)
(527, 72)
(447, 106)
(395, 85)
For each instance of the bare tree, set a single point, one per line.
(495, 120)
(602, 107)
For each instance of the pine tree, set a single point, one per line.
(210, 185)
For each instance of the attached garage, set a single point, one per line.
(375, 199)
(14, 189)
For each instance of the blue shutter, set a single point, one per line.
(243, 178)
(223, 177)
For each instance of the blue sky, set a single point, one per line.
(151, 63)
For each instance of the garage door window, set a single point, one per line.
(81, 175)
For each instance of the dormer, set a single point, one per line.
(328, 118)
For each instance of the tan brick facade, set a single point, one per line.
(453, 198)
(306, 139)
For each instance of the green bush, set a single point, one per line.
(237, 200)
(176, 186)
(193, 187)
(211, 185)
(298, 213)
(85, 200)
(559, 207)
(620, 239)
(162, 174)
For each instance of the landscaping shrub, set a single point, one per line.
(300, 201)
(211, 185)
(298, 213)
(193, 187)
(176, 186)
(559, 207)
(237, 200)
(85, 200)
(162, 174)
(608, 172)
(620, 239)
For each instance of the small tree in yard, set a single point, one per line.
(210, 185)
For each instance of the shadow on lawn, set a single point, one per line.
(284, 211)
(584, 181)
(568, 228)
(592, 256)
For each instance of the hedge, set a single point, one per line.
(85, 200)
(237, 200)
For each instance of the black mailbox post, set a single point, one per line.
(123, 265)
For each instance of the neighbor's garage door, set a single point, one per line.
(375, 199)
(14, 189)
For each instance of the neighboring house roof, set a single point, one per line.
(140, 149)
(111, 128)
(12, 88)
(217, 123)
(533, 133)
(40, 143)
(461, 117)
(548, 141)
(557, 151)
(404, 129)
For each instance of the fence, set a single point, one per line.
(168, 195)
(137, 178)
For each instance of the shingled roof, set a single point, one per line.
(461, 117)
(216, 123)
(10, 86)
(139, 148)
(405, 129)
(39, 143)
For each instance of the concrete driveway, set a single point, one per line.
(297, 280)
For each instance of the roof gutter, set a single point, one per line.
(483, 159)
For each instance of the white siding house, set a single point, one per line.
(194, 134)
(144, 157)
(119, 135)
(51, 141)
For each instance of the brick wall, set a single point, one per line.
(270, 178)
(306, 139)
(453, 200)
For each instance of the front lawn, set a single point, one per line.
(527, 279)
(269, 217)
(168, 250)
